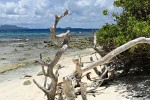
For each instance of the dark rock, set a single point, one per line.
(28, 82)
(40, 73)
(28, 76)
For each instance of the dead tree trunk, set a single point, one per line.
(68, 89)
(95, 69)
(50, 88)
(78, 72)
(107, 75)
(62, 36)
(115, 52)
(100, 52)
(83, 90)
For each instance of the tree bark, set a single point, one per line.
(62, 36)
(115, 52)
(68, 89)
(83, 91)
(51, 91)
(78, 74)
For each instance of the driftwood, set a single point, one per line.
(78, 73)
(100, 52)
(108, 75)
(50, 88)
(60, 93)
(88, 76)
(115, 52)
(83, 90)
(62, 36)
(95, 69)
(68, 89)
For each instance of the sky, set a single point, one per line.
(40, 13)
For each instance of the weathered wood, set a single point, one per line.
(53, 28)
(95, 39)
(80, 61)
(57, 69)
(51, 91)
(43, 70)
(68, 89)
(39, 86)
(78, 67)
(60, 93)
(50, 71)
(111, 74)
(78, 74)
(100, 52)
(115, 52)
(95, 69)
(88, 76)
(83, 91)
(104, 74)
(60, 37)
(42, 63)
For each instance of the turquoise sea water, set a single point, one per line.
(31, 34)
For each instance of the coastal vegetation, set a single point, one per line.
(94, 73)
(133, 22)
(124, 43)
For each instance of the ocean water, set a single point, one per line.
(33, 34)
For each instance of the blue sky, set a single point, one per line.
(40, 13)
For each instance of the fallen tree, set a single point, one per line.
(68, 87)
(50, 88)
(117, 51)
(106, 75)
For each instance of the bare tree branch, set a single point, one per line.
(58, 68)
(52, 87)
(53, 28)
(78, 74)
(39, 86)
(60, 93)
(115, 52)
(100, 52)
(42, 63)
(83, 90)
(95, 69)
(68, 89)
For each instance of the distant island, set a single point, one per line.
(10, 27)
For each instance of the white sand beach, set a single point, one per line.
(17, 84)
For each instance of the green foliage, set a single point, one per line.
(138, 8)
(105, 12)
(132, 23)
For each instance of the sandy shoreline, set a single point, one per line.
(20, 54)
(15, 54)
(19, 58)
(11, 82)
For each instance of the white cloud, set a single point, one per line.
(10, 8)
(41, 12)
(101, 3)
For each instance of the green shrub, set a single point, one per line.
(132, 23)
